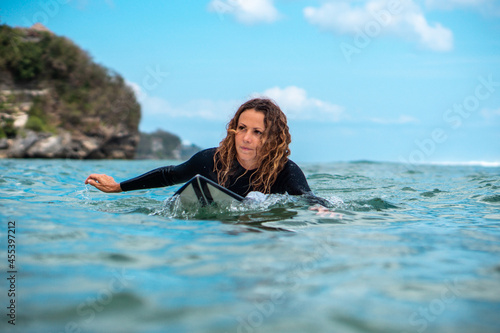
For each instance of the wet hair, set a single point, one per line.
(273, 153)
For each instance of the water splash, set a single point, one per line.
(84, 195)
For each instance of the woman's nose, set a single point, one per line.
(247, 137)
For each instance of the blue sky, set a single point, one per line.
(383, 80)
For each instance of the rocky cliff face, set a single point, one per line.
(162, 145)
(56, 103)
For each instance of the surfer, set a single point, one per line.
(252, 157)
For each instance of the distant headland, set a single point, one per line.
(55, 102)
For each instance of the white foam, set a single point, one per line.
(471, 163)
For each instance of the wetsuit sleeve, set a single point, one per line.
(155, 178)
(200, 163)
(294, 182)
(291, 180)
(312, 199)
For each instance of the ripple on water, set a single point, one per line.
(430, 194)
(408, 189)
(390, 255)
(377, 204)
(492, 199)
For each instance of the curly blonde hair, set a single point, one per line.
(273, 154)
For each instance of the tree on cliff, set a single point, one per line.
(67, 94)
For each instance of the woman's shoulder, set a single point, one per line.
(291, 180)
(291, 166)
(291, 170)
(205, 153)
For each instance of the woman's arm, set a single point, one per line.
(200, 163)
(104, 183)
(294, 182)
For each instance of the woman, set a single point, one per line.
(252, 157)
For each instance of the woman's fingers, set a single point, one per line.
(323, 211)
(103, 182)
(95, 177)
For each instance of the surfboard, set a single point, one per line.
(201, 190)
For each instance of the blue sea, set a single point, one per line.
(405, 248)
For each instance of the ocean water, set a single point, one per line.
(405, 249)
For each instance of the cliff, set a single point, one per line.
(55, 102)
(161, 145)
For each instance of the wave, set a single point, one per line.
(376, 204)
(264, 208)
(495, 199)
(364, 162)
(469, 163)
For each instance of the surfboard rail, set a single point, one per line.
(201, 190)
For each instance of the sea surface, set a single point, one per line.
(404, 248)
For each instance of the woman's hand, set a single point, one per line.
(104, 183)
(325, 212)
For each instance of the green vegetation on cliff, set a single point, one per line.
(79, 95)
(55, 102)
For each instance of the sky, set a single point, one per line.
(382, 80)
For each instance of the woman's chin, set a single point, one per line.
(248, 161)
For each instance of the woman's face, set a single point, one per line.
(249, 138)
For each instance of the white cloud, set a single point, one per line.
(338, 16)
(297, 105)
(246, 11)
(378, 17)
(200, 108)
(139, 94)
(292, 100)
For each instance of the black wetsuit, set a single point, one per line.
(290, 180)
